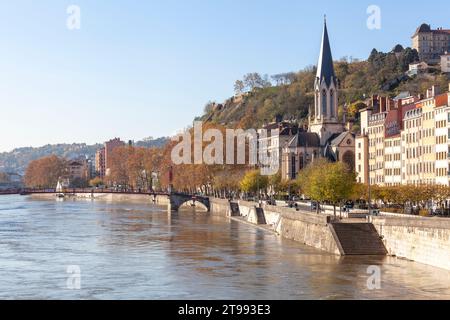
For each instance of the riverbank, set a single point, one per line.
(423, 240)
(308, 228)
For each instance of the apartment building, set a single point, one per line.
(442, 132)
(100, 167)
(405, 141)
(103, 156)
(78, 170)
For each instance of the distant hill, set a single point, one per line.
(289, 96)
(18, 159)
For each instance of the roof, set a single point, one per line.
(337, 140)
(285, 128)
(75, 163)
(305, 139)
(325, 67)
(403, 95)
(441, 100)
(424, 28)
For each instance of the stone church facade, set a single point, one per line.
(327, 136)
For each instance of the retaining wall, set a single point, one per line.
(424, 240)
(308, 228)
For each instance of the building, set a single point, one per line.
(100, 167)
(327, 136)
(276, 135)
(78, 171)
(109, 148)
(431, 44)
(103, 156)
(445, 62)
(406, 143)
(417, 68)
(91, 168)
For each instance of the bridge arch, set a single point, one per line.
(177, 200)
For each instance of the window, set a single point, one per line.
(317, 105)
(293, 168)
(332, 104)
(324, 102)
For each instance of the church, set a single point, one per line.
(326, 136)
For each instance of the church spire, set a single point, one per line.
(325, 67)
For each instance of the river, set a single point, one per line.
(137, 251)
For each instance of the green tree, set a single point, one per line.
(327, 182)
(96, 182)
(253, 182)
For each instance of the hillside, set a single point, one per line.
(292, 94)
(18, 159)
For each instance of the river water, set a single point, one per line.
(136, 251)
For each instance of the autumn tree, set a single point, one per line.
(133, 167)
(360, 192)
(254, 182)
(45, 172)
(327, 182)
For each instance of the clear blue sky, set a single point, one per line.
(147, 68)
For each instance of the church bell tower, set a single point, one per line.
(324, 118)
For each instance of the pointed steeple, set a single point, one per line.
(325, 67)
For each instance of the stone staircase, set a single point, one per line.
(357, 239)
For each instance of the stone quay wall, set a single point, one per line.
(308, 228)
(113, 197)
(424, 240)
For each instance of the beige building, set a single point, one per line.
(411, 147)
(431, 44)
(442, 132)
(362, 158)
(393, 162)
(445, 63)
(408, 143)
(78, 172)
